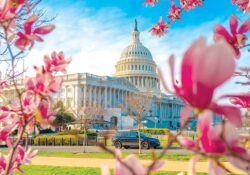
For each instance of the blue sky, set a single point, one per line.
(94, 32)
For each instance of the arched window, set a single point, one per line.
(139, 67)
(135, 67)
(142, 67)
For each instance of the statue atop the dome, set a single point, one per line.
(135, 27)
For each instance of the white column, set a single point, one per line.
(84, 95)
(105, 97)
(90, 96)
(122, 96)
(78, 97)
(93, 95)
(73, 90)
(118, 97)
(109, 97)
(100, 96)
(114, 98)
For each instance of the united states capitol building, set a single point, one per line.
(135, 74)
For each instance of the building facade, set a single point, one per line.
(135, 74)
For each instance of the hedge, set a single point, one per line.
(76, 132)
(155, 131)
(59, 140)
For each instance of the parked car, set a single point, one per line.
(129, 139)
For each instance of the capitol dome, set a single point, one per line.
(136, 50)
(136, 64)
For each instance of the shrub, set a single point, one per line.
(58, 140)
(73, 132)
(155, 131)
(76, 132)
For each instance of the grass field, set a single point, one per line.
(54, 170)
(104, 155)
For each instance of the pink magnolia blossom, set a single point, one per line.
(190, 4)
(244, 5)
(25, 110)
(151, 2)
(8, 12)
(237, 37)
(44, 116)
(56, 63)
(5, 133)
(10, 8)
(31, 35)
(211, 142)
(197, 87)
(229, 112)
(42, 86)
(160, 28)
(22, 157)
(134, 163)
(174, 12)
(242, 100)
(2, 164)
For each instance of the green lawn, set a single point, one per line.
(105, 155)
(54, 170)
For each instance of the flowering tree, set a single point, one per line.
(20, 29)
(175, 12)
(203, 69)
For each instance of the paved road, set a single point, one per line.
(176, 166)
(98, 149)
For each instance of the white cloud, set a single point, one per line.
(95, 40)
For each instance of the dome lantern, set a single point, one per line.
(135, 34)
(136, 49)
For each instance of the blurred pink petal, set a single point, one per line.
(185, 114)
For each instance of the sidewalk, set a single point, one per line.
(176, 166)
